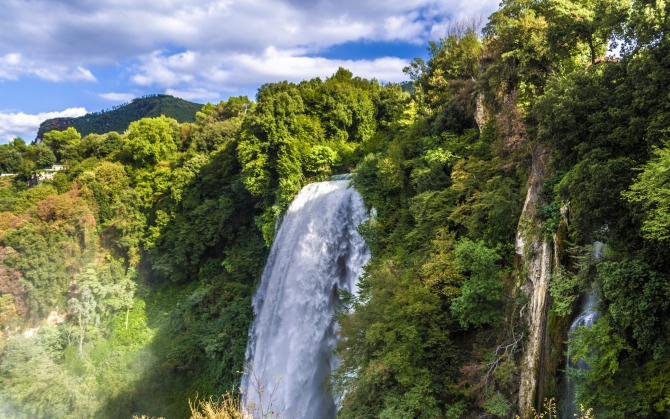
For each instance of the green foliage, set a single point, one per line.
(517, 37)
(306, 130)
(645, 316)
(43, 156)
(602, 124)
(576, 26)
(217, 125)
(11, 159)
(401, 358)
(36, 385)
(320, 160)
(431, 180)
(85, 243)
(83, 309)
(7, 309)
(564, 292)
(652, 188)
(64, 144)
(27, 199)
(480, 300)
(151, 140)
(453, 63)
(129, 329)
(212, 210)
(153, 240)
(41, 262)
(608, 381)
(497, 405)
(600, 336)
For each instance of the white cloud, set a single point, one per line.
(14, 65)
(118, 97)
(111, 30)
(206, 73)
(200, 48)
(25, 125)
(166, 70)
(276, 65)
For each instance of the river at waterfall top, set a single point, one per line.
(317, 251)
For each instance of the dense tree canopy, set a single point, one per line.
(131, 272)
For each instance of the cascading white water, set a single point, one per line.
(317, 251)
(586, 318)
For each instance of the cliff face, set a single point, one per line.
(535, 254)
(536, 259)
(481, 114)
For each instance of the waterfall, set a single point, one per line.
(316, 252)
(587, 316)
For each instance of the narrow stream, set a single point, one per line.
(587, 316)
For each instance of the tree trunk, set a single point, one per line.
(593, 51)
(127, 313)
(81, 336)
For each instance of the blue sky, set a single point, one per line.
(67, 57)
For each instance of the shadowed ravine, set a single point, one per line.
(317, 251)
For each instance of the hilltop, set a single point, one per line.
(121, 116)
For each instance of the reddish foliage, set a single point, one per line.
(10, 282)
(67, 209)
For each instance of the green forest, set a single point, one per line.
(126, 280)
(119, 118)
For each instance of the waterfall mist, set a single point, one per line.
(317, 251)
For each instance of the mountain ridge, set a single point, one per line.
(120, 117)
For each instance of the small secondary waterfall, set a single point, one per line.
(317, 251)
(587, 317)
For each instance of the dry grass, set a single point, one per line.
(227, 408)
(550, 411)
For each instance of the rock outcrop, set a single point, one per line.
(535, 253)
(481, 114)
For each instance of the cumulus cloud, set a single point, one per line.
(25, 125)
(111, 29)
(118, 97)
(14, 65)
(231, 73)
(200, 48)
(275, 65)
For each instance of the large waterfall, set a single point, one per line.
(316, 252)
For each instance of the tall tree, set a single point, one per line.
(83, 309)
(574, 24)
(63, 143)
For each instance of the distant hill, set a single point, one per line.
(121, 116)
